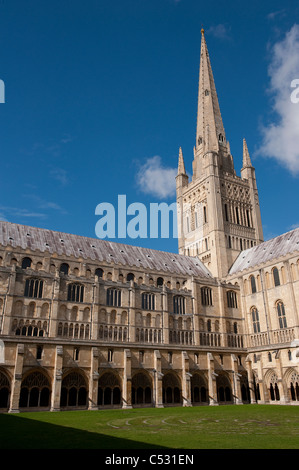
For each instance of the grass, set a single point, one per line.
(220, 427)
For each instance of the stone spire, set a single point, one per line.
(246, 156)
(181, 166)
(210, 132)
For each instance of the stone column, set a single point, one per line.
(236, 381)
(248, 364)
(158, 383)
(93, 379)
(127, 381)
(282, 386)
(56, 388)
(165, 317)
(17, 381)
(212, 380)
(186, 386)
(262, 386)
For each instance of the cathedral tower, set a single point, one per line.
(218, 211)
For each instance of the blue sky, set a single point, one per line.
(101, 94)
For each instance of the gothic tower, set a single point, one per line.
(218, 211)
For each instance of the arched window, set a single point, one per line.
(148, 301)
(160, 282)
(281, 314)
(231, 299)
(206, 296)
(130, 277)
(99, 272)
(113, 297)
(75, 292)
(26, 263)
(179, 304)
(253, 284)
(255, 319)
(276, 279)
(34, 288)
(64, 268)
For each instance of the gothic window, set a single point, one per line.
(130, 277)
(276, 279)
(160, 282)
(148, 301)
(75, 292)
(231, 299)
(35, 391)
(171, 389)
(141, 389)
(255, 319)
(26, 263)
(64, 268)
(73, 390)
(113, 297)
(206, 296)
(253, 284)
(281, 314)
(109, 390)
(205, 215)
(199, 140)
(207, 94)
(34, 288)
(179, 305)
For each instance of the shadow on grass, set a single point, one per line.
(18, 432)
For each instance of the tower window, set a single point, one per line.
(248, 218)
(281, 314)
(179, 304)
(75, 292)
(226, 212)
(26, 263)
(253, 284)
(34, 288)
(276, 277)
(205, 214)
(64, 268)
(237, 216)
(114, 297)
(231, 299)
(206, 296)
(148, 301)
(255, 320)
(207, 92)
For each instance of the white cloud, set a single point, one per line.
(154, 179)
(280, 138)
(219, 31)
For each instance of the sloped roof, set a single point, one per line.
(267, 251)
(64, 244)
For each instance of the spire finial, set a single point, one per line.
(181, 166)
(202, 30)
(246, 156)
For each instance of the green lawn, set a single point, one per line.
(220, 427)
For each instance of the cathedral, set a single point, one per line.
(92, 324)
